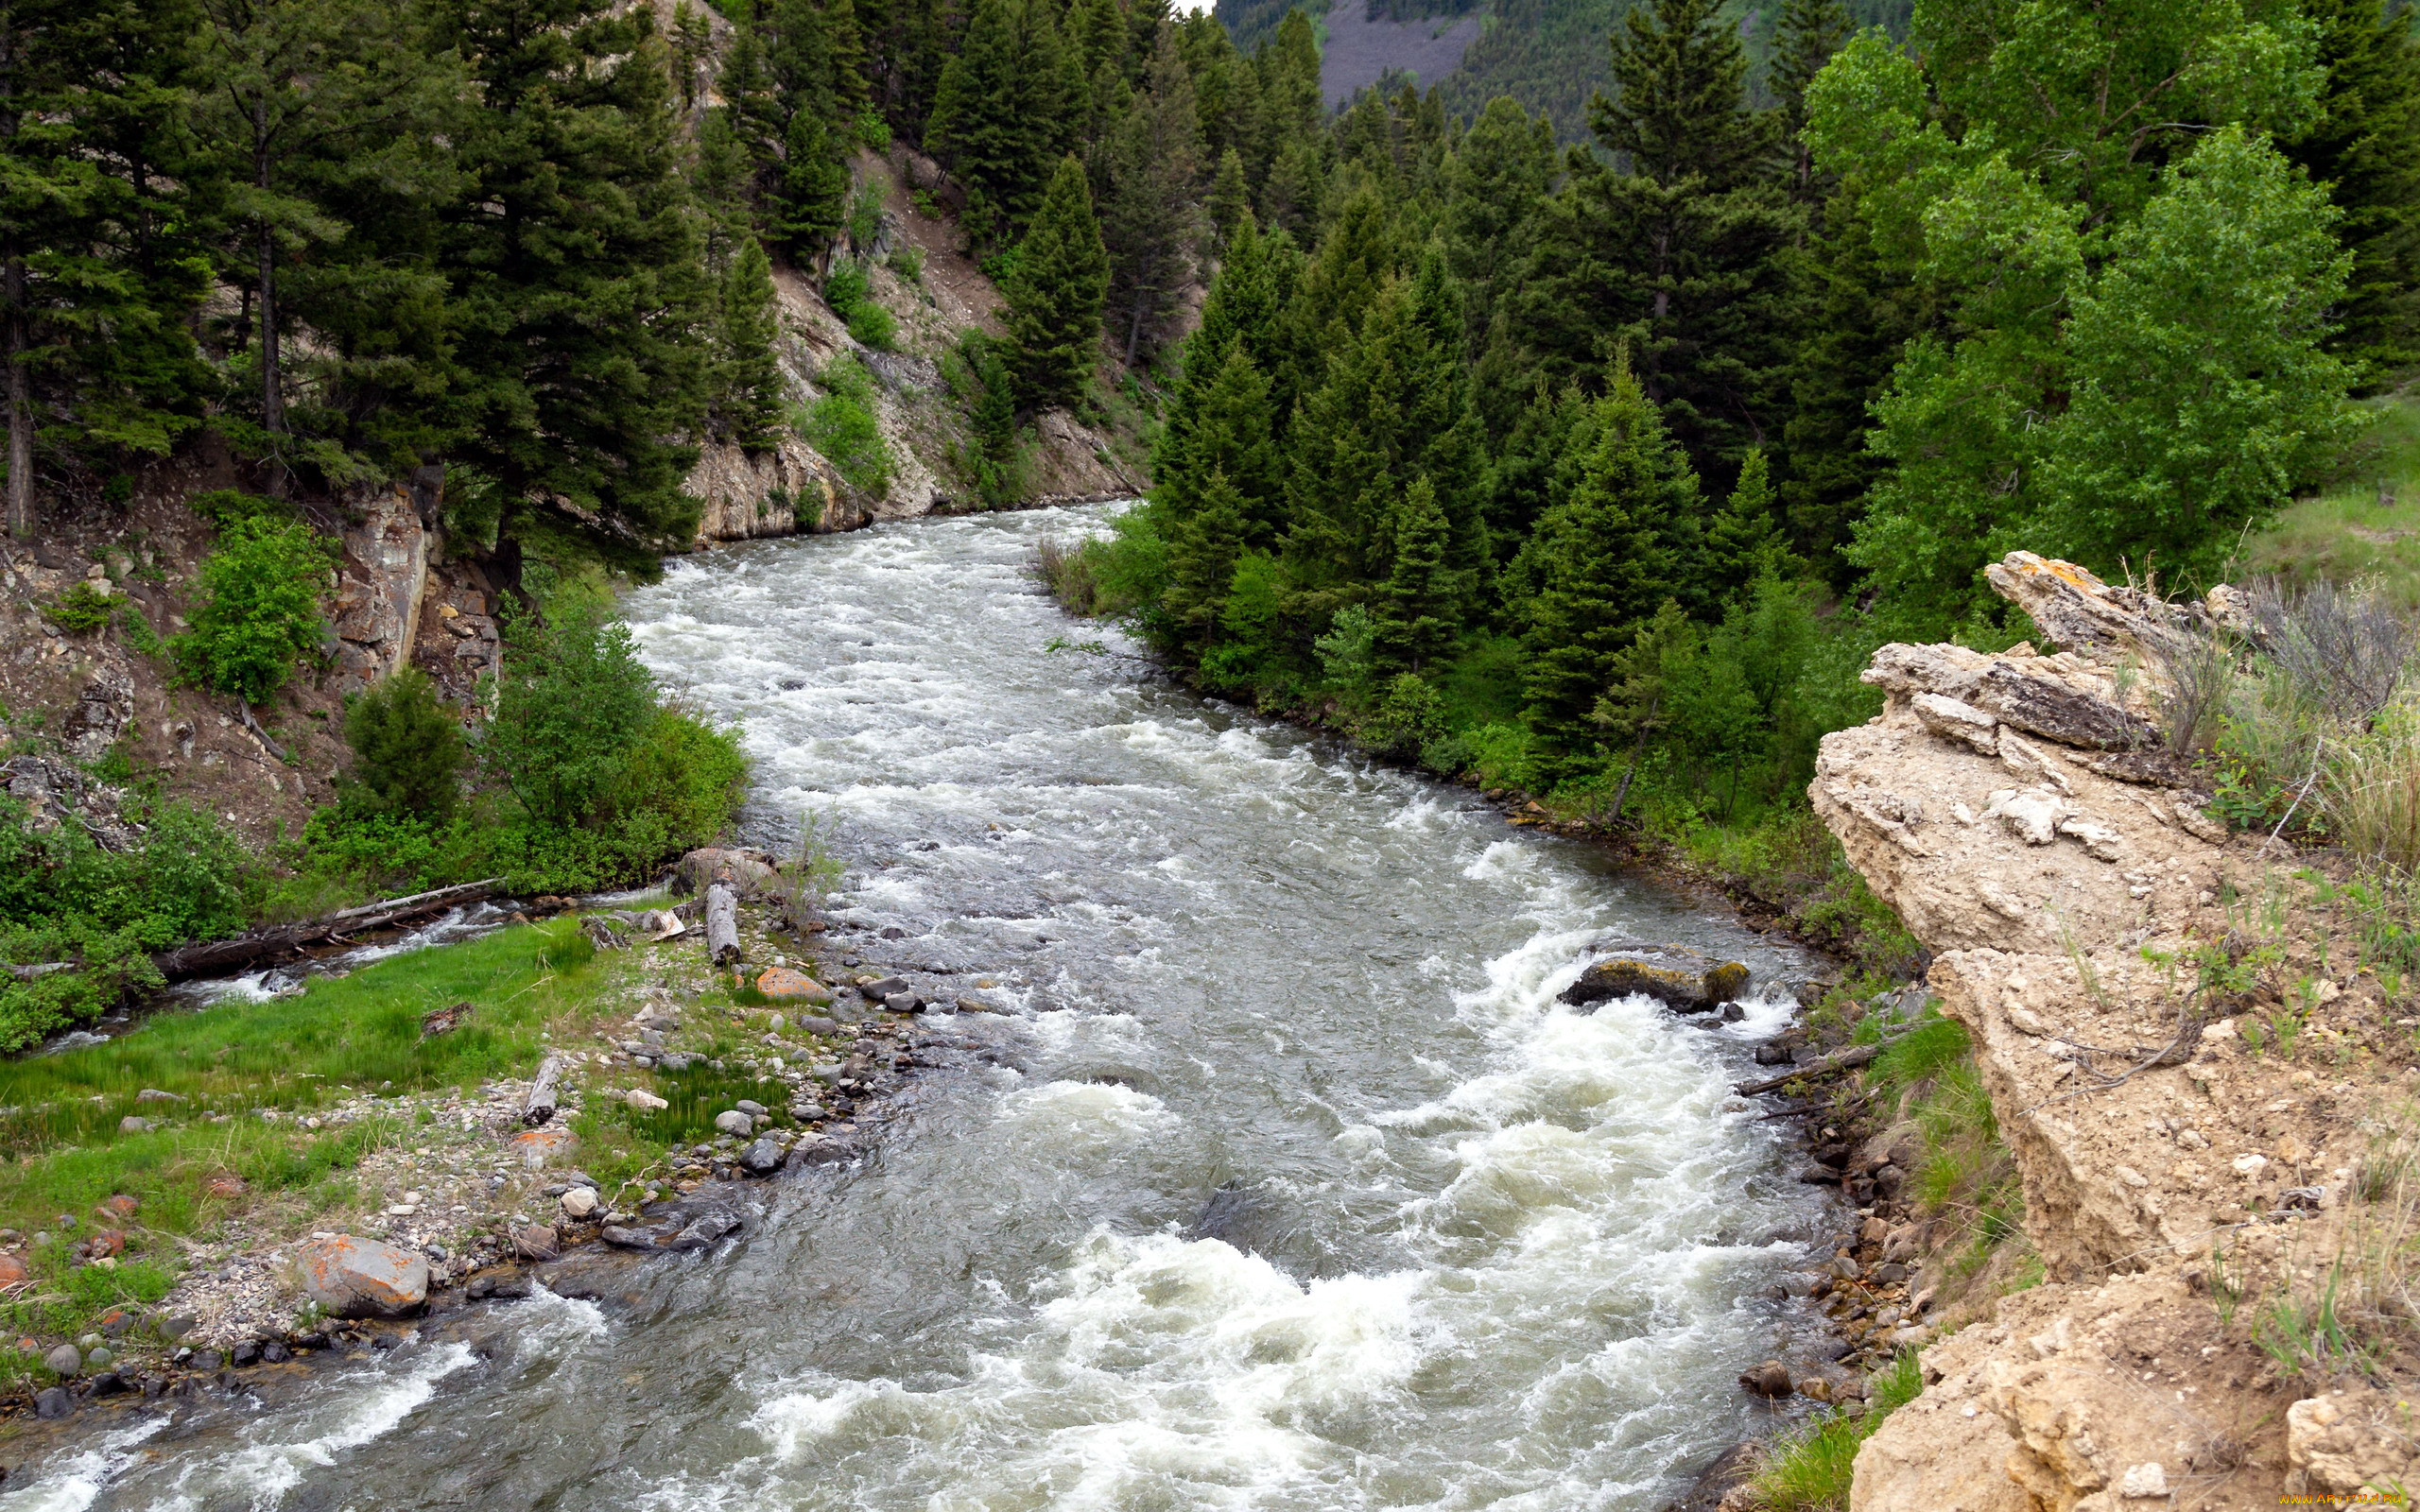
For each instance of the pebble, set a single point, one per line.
(66, 1359)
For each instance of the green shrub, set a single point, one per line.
(82, 608)
(907, 261)
(406, 749)
(849, 292)
(260, 607)
(575, 701)
(865, 214)
(842, 427)
(873, 129)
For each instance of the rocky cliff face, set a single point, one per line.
(2185, 1058)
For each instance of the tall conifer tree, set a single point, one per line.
(1056, 294)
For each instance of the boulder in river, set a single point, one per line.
(1770, 1378)
(1684, 980)
(763, 1158)
(351, 1276)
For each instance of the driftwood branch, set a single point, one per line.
(1841, 1060)
(541, 1107)
(207, 957)
(722, 922)
(258, 733)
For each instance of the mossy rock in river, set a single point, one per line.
(1682, 979)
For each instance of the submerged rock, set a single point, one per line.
(1684, 980)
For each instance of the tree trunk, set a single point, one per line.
(272, 385)
(540, 1108)
(204, 957)
(19, 386)
(722, 922)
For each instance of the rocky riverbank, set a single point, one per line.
(465, 1194)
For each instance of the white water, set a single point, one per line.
(1296, 1190)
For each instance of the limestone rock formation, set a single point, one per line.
(2018, 811)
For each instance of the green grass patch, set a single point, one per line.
(2367, 523)
(1809, 1469)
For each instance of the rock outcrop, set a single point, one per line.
(2020, 812)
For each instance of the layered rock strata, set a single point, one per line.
(2184, 1147)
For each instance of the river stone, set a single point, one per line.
(351, 1277)
(702, 1231)
(622, 1238)
(811, 1023)
(752, 1109)
(876, 990)
(64, 1360)
(537, 1241)
(53, 1401)
(783, 985)
(763, 1158)
(1770, 1378)
(1684, 980)
(733, 1122)
(579, 1202)
(639, 1100)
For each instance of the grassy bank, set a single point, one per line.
(249, 1122)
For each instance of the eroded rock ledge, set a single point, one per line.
(2020, 811)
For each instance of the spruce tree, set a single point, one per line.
(581, 315)
(814, 198)
(1202, 554)
(2365, 147)
(751, 400)
(1414, 613)
(1056, 294)
(1004, 115)
(1672, 247)
(1149, 217)
(1600, 565)
(1230, 203)
(1743, 540)
(1495, 180)
(1809, 32)
(692, 44)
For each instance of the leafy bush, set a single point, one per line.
(842, 427)
(260, 607)
(865, 214)
(407, 751)
(907, 261)
(82, 608)
(574, 704)
(849, 292)
(873, 129)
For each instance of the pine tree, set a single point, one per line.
(1496, 180)
(2365, 147)
(692, 44)
(1743, 541)
(724, 181)
(1415, 610)
(1809, 32)
(1149, 217)
(1225, 430)
(1056, 294)
(751, 405)
(1601, 562)
(814, 198)
(582, 321)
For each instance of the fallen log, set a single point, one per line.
(722, 922)
(540, 1108)
(211, 957)
(1839, 1062)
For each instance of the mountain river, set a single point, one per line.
(1291, 1186)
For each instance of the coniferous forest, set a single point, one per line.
(1592, 465)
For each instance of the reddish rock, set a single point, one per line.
(783, 985)
(120, 1207)
(12, 1271)
(224, 1185)
(351, 1276)
(108, 1242)
(537, 1241)
(539, 1145)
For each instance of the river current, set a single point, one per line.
(1291, 1187)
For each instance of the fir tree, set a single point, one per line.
(1601, 562)
(751, 404)
(692, 44)
(1003, 115)
(1743, 541)
(1149, 219)
(1056, 294)
(1671, 249)
(1230, 203)
(814, 198)
(1495, 180)
(2365, 147)
(1809, 32)
(1202, 554)
(582, 319)
(1415, 610)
